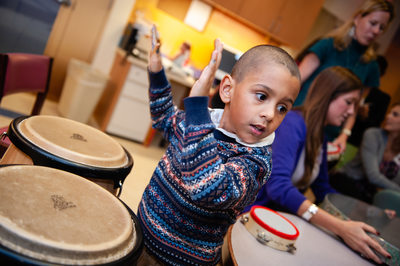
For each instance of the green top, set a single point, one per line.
(350, 58)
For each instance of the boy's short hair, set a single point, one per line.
(263, 54)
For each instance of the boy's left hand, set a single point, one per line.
(203, 85)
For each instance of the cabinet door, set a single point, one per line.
(262, 13)
(131, 116)
(231, 5)
(296, 20)
(130, 119)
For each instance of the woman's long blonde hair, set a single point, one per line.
(342, 36)
(326, 87)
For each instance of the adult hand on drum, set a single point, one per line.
(354, 234)
(203, 85)
(155, 63)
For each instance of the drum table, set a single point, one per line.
(313, 247)
(346, 207)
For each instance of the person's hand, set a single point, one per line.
(341, 141)
(155, 63)
(203, 85)
(390, 213)
(354, 234)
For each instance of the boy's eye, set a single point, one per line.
(261, 96)
(282, 109)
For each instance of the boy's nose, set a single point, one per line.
(268, 114)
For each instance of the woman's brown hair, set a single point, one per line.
(342, 37)
(326, 87)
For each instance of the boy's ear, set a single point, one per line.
(226, 88)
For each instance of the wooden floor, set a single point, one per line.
(145, 158)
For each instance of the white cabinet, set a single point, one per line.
(131, 116)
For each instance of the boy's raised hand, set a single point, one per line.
(155, 63)
(203, 85)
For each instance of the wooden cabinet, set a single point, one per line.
(123, 109)
(288, 21)
(296, 20)
(131, 116)
(231, 5)
(262, 13)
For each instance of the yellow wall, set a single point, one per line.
(173, 32)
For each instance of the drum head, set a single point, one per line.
(274, 222)
(73, 141)
(55, 216)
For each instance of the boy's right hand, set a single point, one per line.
(155, 63)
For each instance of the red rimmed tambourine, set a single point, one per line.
(270, 228)
(333, 152)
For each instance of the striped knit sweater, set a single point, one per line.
(200, 185)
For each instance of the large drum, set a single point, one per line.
(52, 216)
(345, 207)
(70, 146)
(313, 247)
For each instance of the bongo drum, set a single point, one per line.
(271, 228)
(313, 247)
(345, 208)
(70, 146)
(63, 220)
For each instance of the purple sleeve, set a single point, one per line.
(321, 186)
(286, 149)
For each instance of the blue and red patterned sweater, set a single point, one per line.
(200, 185)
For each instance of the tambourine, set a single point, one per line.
(271, 229)
(333, 152)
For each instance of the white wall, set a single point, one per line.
(105, 53)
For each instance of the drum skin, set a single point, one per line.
(52, 216)
(51, 155)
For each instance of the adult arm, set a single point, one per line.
(341, 139)
(371, 159)
(353, 233)
(308, 65)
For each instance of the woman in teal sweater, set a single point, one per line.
(350, 46)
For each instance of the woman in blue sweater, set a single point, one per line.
(299, 159)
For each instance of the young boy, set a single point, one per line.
(216, 161)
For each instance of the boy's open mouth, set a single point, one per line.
(258, 129)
